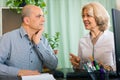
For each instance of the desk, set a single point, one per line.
(70, 74)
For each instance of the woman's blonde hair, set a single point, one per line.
(100, 14)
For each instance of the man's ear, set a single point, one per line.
(26, 20)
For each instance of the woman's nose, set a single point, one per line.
(85, 18)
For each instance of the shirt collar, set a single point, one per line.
(88, 35)
(22, 32)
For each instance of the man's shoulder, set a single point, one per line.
(10, 34)
(13, 32)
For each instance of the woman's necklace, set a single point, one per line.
(94, 40)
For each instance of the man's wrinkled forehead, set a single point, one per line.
(28, 9)
(37, 11)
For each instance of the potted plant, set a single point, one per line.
(54, 41)
(17, 4)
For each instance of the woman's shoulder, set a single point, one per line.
(85, 38)
(108, 33)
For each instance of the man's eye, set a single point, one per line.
(39, 16)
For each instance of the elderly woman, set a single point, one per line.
(99, 43)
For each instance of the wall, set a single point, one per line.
(118, 4)
(2, 3)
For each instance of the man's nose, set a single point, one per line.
(43, 19)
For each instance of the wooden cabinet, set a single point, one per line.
(9, 20)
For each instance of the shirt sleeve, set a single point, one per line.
(46, 54)
(80, 55)
(6, 70)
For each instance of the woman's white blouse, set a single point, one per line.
(103, 49)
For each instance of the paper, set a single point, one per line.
(44, 76)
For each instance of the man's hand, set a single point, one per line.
(36, 37)
(27, 72)
(75, 60)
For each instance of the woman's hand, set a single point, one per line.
(75, 61)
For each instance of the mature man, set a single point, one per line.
(24, 51)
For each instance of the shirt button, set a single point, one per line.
(31, 61)
(29, 43)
